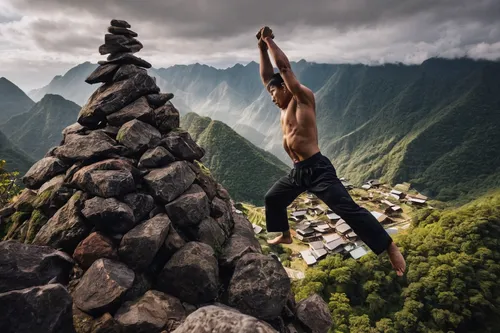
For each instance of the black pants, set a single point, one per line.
(317, 175)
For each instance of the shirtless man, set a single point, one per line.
(312, 171)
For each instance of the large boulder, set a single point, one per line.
(108, 178)
(241, 242)
(125, 59)
(52, 195)
(166, 117)
(138, 136)
(216, 319)
(127, 71)
(259, 286)
(183, 146)
(192, 274)
(169, 182)
(190, 208)
(153, 312)
(42, 171)
(139, 109)
(23, 266)
(101, 288)
(109, 215)
(41, 309)
(157, 100)
(102, 74)
(156, 158)
(66, 228)
(142, 204)
(209, 232)
(313, 312)
(140, 245)
(110, 98)
(78, 147)
(94, 247)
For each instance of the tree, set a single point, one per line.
(8, 184)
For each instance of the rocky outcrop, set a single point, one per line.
(152, 236)
(314, 314)
(215, 319)
(42, 309)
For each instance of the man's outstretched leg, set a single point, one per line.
(277, 199)
(362, 222)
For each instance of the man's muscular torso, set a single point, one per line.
(300, 134)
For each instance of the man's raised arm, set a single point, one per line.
(266, 68)
(283, 64)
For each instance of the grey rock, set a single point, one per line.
(169, 182)
(125, 59)
(313, 312)
(120, 23)
(166, 117)
(139, 109)
(173, 242)
(214, 319)
(66, 228)
(127, 71)
(110, 98)
(75, 128)
(23, 266)
(106, 324)
(142, 283)
(156, 158)
(210, 233)
(192, 274)
(151, 313)
(86, 147)
(190, 208)
(259, 286)
(52, 195)
(109, 215)
(25, 201)
(121, 31)
(204, 179)
(138, 136)
(157, 100)
(42, 171)
(40, 309)
(94, 247)
(108, 178)
(102, 286)
(119, 44)
(140, 245)
(103, 73)
(142, 204)
(182, 146)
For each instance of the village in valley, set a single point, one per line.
(318, 231)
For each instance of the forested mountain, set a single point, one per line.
(13, 100)
(452, 282)
(245, 170)
(433, 125)
(15, 158)
(40, 129)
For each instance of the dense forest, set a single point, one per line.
(450, 286)
(452, 282)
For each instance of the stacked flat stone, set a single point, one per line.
(152, 241)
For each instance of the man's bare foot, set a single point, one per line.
(396, 258)
(285, 238)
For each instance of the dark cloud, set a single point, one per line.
(215, 18)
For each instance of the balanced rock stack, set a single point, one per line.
(122, 229)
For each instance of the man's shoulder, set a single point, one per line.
(307, 93)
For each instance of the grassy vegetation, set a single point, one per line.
(247, 172)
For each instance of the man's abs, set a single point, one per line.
(300, 146)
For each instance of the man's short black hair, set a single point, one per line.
(276, 81)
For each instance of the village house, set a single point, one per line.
(382, 218)
(397, 194)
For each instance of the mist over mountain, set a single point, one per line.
(425, 123)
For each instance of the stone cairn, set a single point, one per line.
(122, 229)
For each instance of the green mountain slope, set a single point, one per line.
(433, 125)
(40, 129)
(245, 170)
(13, 101)
(15, 158)
(452, 283)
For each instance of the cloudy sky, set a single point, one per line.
(42, 38)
